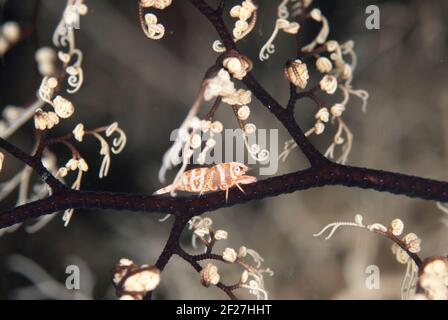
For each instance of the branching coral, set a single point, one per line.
(424, 279)
(229, 81)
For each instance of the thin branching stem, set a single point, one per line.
(322, 172)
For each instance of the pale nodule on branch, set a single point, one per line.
(322, 70)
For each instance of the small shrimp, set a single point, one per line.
(222, 176)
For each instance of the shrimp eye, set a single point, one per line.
(237, 169)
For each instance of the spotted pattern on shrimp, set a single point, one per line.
(222, 176)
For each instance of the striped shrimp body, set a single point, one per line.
(222, 176)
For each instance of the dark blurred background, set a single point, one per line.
(148, 87)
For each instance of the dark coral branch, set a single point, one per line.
(322, 173)
(215, 17)
(187, 207)
(286, 117)
(415, 257)
(34, 162)
(193, 261)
